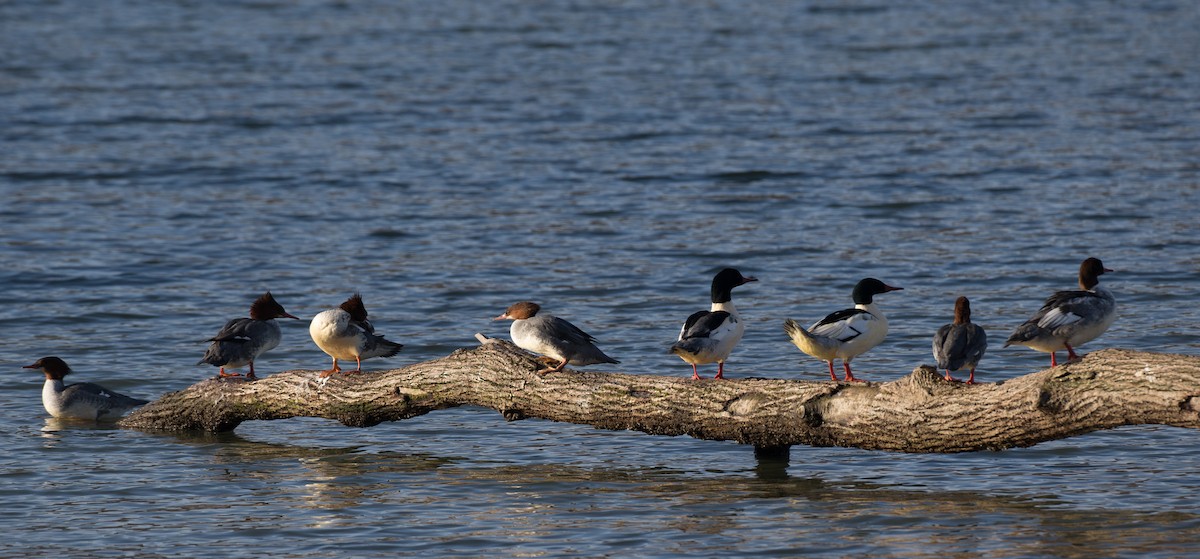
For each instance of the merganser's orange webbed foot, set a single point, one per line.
(695, 373)
(556, 369)
(850, 375)
(950, 378)
(335, 369)
(222, 374)
(720, 370)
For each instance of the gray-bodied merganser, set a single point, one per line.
(847, 333)
(345, 333)
(552, 337)
(710, 336)
(242, 340)
(959, 345)
(82, 400)
(1070, 318)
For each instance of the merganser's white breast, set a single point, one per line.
(337, 333)
(554, 337)
(85, 400)
(854, 330)
(1070, 318)
(332, 331)
(710, 336)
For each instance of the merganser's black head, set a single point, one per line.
(962, 311)
(355, 308)
(266, 308)
(54, 367)
(520, 311)
(865, 290)
(1090, 272)
(724, 282)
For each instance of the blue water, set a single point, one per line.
(163, 163)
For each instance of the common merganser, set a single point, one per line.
(345, 333)
(959, 345)
(1070, 318)
(710, 336)
(552, 337)
(847, 333)
(82, 400)
(242, 340)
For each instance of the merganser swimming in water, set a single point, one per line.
(710, 336)
(1070, 318)
(345, 333)
(242, 340)
(82, 400)
(847, 333)
(552, 337)
(959, 345)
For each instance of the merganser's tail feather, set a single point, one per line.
(821, 347)
(378, 346)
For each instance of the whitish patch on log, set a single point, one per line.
(919, 412)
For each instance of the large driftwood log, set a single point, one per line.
(917, 413)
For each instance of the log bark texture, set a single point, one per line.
(919, 412)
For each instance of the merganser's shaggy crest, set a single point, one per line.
(242, 340)
(552, 337)
(847, 333)
(345, 333)
(1070, 318)
(710, 336)
(959, 345)
(82, 400)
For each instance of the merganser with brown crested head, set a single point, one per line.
(552, 337)
(345, 333)
(847, 333)
(82, 400)
(243, 340)
(959, 345)
(1070, 318)
(710, 336)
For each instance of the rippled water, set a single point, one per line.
(165, 162)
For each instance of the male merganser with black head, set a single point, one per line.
(959, 345)
(847, 333)
(552, 337)
(345, 333)
(1070, 318)
(82, 400)
(710, 336)
(242, 340)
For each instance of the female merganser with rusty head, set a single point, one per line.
(82, 400)
(242, 340)
(710, 336)
(552, 337)
(1070, 318)
(345, 333)
(847, 333)
(959, 345)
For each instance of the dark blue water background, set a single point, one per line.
(162, 163)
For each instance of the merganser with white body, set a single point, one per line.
(82, 400)
(345, 333)
(552, 337)
(710, 336)
(959, 345)
(1070, 318)
(242, 340)
(847, 333)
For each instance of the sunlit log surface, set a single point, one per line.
(919, 412)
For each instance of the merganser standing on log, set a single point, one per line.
(710, 336)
